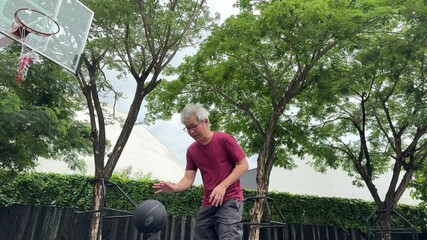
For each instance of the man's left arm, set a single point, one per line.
(217, 195)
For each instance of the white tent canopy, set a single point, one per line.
(143, 153)
(304, 180)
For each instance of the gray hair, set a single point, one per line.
(194, 109)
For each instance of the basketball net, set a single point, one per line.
(25, 58)
(21, 29)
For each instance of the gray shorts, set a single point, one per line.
(220, 223)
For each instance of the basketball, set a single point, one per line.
(149, 216)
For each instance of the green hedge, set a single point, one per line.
(61, 190)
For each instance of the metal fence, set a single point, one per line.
(28, 222)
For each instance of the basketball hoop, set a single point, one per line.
(30, 21)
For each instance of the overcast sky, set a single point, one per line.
(170, 132)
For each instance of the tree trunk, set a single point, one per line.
(96, 221)
(265, 163)
(256, 214)
(257, 209)
(385, 225)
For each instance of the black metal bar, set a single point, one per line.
(411, 229)
(80, 194)
(123, 193)
(278, 210)
(269, 222)
(103, 207)
(118, 216)
(86, 212)
(117, 210)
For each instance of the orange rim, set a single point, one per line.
(31, 30)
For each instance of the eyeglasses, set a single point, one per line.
(191, 128)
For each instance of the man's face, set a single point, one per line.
(194, 127)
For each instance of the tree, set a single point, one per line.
(251, 69)
(37, 117)
(137, 38)
(420, 31)
(375, 119)
(419, 186)
(383, 114)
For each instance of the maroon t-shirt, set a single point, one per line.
(216, 160)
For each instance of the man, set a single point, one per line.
(221, 162)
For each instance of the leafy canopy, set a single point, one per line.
(37, 117)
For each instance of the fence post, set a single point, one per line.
(193, 224)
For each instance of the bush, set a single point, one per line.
(62, 190)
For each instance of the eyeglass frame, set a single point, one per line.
(191, 128)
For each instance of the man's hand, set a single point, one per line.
(164, 187)
(217, 195)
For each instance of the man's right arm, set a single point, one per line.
(182, 185)
(186, 182)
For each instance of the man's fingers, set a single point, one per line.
(157, 185)
(216, 200)
(221, 198)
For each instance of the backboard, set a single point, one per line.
(66, 46)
